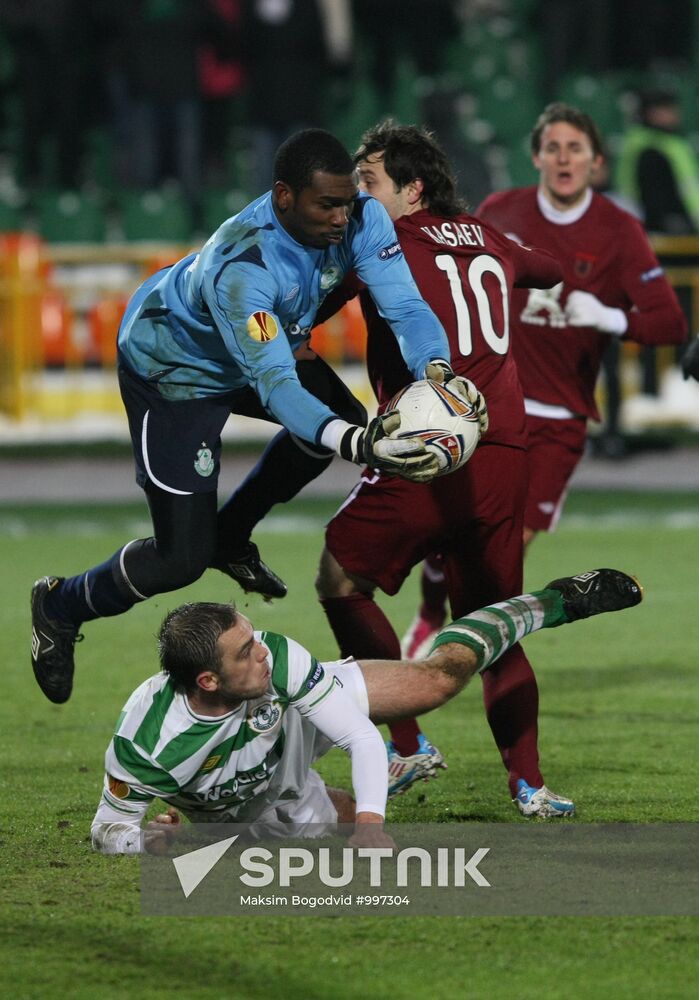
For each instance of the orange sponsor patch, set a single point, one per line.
(119, 789)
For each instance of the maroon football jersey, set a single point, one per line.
(606, 252)
(465, 270)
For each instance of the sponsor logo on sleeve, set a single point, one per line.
(388, 252)
(262, 327)
(316, 676)
(655, 272)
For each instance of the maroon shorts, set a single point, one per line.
(473, 517)
(555, 448)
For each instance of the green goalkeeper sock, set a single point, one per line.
(491, 631)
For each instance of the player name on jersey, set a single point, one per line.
(455, 234)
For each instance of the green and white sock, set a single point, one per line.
(491, 631)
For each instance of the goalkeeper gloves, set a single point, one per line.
(584, 309)
(441, 371)
(406, 457)
(690, 360)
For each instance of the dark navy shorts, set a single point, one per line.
(177, 443)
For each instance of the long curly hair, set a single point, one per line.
(410, 152)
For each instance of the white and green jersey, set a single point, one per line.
(233, 767)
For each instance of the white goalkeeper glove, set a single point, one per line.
(372, 446)
(584, 309)
(441, 371)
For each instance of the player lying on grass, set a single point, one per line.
(229, 729)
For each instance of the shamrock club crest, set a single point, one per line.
(264, 716)
(204, 462)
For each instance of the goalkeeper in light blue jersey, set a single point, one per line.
(226, 331)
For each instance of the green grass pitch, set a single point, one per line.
(618, 732)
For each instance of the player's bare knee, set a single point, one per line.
(528, 536)
(453, 665)
(333, 581)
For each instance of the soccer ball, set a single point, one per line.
(446, 423)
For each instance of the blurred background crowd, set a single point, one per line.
(130, 129)
(103, 102)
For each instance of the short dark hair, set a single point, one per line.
(305, 152)
(188, 641)
(410, 152)
(560, 112)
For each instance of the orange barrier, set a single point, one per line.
(343, 336)
(103, 324)
(22, 280)
(56, 324)
(58, 311)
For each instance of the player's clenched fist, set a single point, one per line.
(161, 831)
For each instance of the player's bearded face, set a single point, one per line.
(566, 163)
(244, 672)
(318, 215)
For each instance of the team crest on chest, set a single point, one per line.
(329, 276)
(204, 462)
(264, 717)
(584, 265)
